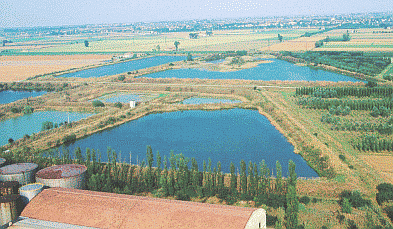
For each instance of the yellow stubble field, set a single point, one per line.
(16, 68)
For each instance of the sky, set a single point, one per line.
(30, 13)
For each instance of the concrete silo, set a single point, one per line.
(29, 191)
(63, 176)
(21, 172)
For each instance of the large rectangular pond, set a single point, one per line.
(275, 70)
(133, 65)
(223, 135)
(12, 96)
(16, 128)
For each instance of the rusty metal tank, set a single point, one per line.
(21, 172)
(63, 176)
(9, 208)
(9, 188)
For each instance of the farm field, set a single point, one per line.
(382, 163)
(225, 40)
(16, 68)
(368, 40)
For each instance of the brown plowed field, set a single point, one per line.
(16, 68)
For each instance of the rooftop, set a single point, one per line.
(108, 210)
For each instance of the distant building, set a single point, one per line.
(88, 209)
(132, 104)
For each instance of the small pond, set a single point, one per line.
(275, 70)
(222, 135)
(12, 96)
(133, 65)
(16, 128)
(208, 101)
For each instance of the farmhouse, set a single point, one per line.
(83, 209)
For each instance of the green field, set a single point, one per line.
(229, 40)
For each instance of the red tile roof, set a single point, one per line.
(108, 210)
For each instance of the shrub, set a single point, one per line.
(342, 157)
(121, 78)
(304, 199)
(346, 206)
(355, 199)
(69, 138)
(389, 211)
(15, 110)
(28, 110)
(98, 103)
(10, 140)
(47, 125)
(385, 192)
(118, 105)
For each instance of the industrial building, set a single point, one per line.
(65, 208)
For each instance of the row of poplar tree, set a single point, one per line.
(339, 92)
(180, 177)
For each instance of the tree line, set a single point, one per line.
(353, 104)
(339, 92)
(352, 61)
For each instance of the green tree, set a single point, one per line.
(346, 206)
(118, 105)
(98, 103)
(177, 43)
(233, 177)
(86, 43)
(243, 177)
(279, 185)
(47, 125)
(280, 37)
(292, 210)
(150, 160)
(189, 57)
(28, 110)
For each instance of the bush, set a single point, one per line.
(118, 105)
(389, 211)
(385, 192)
(15, 110)
(121, 78)
(271, 220)
(46, 125)
(28, 110)
(69, 138)
(98, 103)
(304, 199)
(355, 199)
(346, 206)
(342, 157)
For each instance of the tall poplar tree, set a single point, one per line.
(233, 177)
(292, 210)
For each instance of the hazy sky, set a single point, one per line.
(21, 13)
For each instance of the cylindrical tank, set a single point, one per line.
(8, 208)
(29, 191)
(2, 161)
(8, 188)
(63, 176)
(21, 172)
